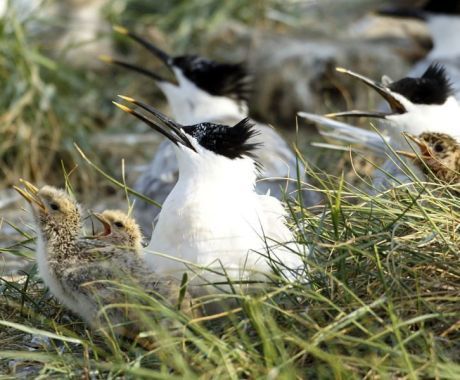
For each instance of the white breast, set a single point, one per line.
(218, 230)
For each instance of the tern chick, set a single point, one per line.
(119, 229)
(439, 156)
(85, 276)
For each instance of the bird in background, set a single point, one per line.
(203, 90)
(213, 223)
(87, 276)
(417, 105)
(443, 22)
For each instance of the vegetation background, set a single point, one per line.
(383, 293)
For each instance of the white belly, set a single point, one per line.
(211, 237)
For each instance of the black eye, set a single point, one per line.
(54, 206)
(119, 224)
(438, 148)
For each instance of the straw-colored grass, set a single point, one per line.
(382, 301)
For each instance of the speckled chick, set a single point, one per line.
(85, 276)
(119, 229)
(439, 156)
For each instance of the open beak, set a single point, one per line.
(167, 127)
(30, 194)
(156, 51)
(396, 106)
(424, 148)
(107, 229)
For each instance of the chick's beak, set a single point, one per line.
(423, 146)
(30, 194)
(105, 224)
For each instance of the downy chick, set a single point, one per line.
(439, 156)
(85, 277)
(119, 229)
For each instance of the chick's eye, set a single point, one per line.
(54, 206)
(119, 224)
(438, 147)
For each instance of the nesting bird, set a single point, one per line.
(213, 217)
(207, 91)
(422, 104)
(86, 276)
(439, 156)
(443, 23)
(417, 105)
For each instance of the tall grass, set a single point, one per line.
(382, 302)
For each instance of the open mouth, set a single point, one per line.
(163, 124)
(30, 194)
(107, 229)
(425, 151)
(154, 50)
(395, 105)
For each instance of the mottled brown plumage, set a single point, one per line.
(86, 275)
(119, 229)
(439, 156)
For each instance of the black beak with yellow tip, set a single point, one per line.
(167, 127)
(396, 106)
(153, 49)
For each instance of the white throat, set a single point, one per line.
(421, 118)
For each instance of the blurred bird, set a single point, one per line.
(213, 217)
(418, 105)
(443, 21)
(207, 91)
(84, 276)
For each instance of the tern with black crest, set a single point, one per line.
(419, 105)
(213, 218)
(202, 90)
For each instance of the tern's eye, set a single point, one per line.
(54, 206)
(119, 224)
(438, 147)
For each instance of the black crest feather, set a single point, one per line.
(433, 87)
(221, 79)
(232, 142)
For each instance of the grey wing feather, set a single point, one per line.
(156, 182)
(392, 173)
(280, 166)
(347, 133)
